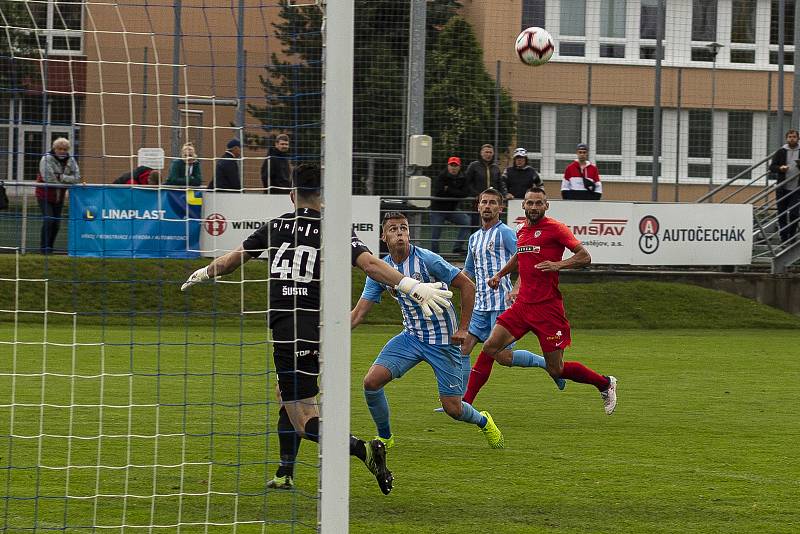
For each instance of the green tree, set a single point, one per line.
(460, 96)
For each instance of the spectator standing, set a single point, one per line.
(450, 183)
(484, 173)
(226, 177)
(785, 165)
(55, 167)
(275, 171)
(186, 170)
(519, 176)
(581, 178)
(141, 175)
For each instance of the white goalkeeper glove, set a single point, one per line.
(432, 297)
(200, 275)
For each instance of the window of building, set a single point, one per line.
(529, 126)
(699, 133)
(704, 28)
(743, 23)
(704, 20)
(648, 27)
(734, 170)
(743, 31)
(776, 136)
(568, 128)
(609, 131)
(740, 135)
(573, 25)
(533, 13)
(644, 132)
(609, 168)
(699, 170)
(60, 24)
(788, 23)
(612, 28)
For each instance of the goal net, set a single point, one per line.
(126, 405)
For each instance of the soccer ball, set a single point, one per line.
(534, 46)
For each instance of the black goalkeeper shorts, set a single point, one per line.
(296, 355)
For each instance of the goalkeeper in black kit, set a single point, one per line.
(292, 242)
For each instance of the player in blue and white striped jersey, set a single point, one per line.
(433, 339)
(489, 250)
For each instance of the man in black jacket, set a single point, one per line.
(482, 174)
(785, 166)
(450, 183)
(519, 177)
(275, 172)
(226, 176)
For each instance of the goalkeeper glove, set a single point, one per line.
(431, 297)
(200, 275)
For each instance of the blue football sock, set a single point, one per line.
(524, 358)
(379, 409)
(471, 415)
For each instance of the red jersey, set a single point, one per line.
(543, 241)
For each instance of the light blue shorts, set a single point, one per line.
(482, 323)
(404, 351)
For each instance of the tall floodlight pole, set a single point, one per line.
(714, 49)
(657, 104)
(176, 74)
(241, 63)
(781, 45)
(796, 79)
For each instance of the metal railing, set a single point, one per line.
(776, 214)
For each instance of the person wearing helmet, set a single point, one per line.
(519, 176)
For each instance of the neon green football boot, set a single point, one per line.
(492, 433)
(389, 443)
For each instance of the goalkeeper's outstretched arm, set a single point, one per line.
(225, 264)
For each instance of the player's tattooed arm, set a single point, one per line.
(508, 268)
(359, 313)
(580, 258)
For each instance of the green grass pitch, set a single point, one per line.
(705, 437)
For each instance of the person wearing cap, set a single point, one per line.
(581, 178)
(226, 175)
(451, 183)
(519, 176)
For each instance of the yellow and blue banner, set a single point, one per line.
(117, 222)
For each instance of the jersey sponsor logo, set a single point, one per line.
(601, 227)
(555, 339)
(215, 224)
(529, 248)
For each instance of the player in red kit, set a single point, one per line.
(539, 307)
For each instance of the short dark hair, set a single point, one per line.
(389, 215)
(791, 130)
(537, 189)
(491, 191)
(306, 179)
(281, 137)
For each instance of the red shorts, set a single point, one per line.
(545, 319)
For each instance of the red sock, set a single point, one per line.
(577, 372)
(478, 377)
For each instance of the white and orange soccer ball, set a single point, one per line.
(534, 46)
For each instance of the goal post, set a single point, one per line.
(336, 281)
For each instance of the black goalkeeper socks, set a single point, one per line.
(289, 444)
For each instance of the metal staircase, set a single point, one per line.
(755, 186)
